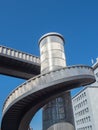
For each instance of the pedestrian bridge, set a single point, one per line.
(18, 64)
(21, 105)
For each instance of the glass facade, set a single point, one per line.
(58, 110)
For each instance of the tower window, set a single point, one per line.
(97, 74)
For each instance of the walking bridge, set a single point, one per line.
(18, 64)
(21, 105)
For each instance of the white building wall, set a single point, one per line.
(85, 109)
(85, 105)
(95, 67)
(93, 100)
(96, 76)
(82, 113)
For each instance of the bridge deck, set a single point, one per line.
(18, 64)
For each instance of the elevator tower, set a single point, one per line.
(52, 57)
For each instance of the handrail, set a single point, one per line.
(19, 54)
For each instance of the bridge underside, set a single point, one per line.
(18, 117)
(18, 68)
(19, 109)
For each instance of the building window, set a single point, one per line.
(85, 102)
(90, 127)
(84, 120)
(84, 94)
(87, 110)
(89, 119)
(97, 74)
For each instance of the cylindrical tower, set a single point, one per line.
(52, 52)
(52, 57)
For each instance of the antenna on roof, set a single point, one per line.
(92, 60)
(97, 59)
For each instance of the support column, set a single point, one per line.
(59, 110)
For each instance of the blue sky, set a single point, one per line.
(23, 22)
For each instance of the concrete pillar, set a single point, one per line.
(52, 57)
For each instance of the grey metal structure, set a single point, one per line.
(52, 58)
(18, 64)
(61, 126)
(21, 104)
(52, 54)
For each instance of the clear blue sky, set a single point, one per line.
(23, 22)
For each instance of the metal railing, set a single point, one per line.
(18, 54)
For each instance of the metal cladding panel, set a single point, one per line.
(58, 110)
(52, 53)
(53, 58)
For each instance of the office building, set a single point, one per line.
(85, 105)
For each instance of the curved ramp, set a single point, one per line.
(21, 105)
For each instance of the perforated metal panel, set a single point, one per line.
(52, 53)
